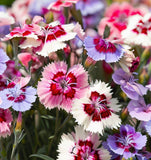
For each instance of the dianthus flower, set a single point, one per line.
(139, 110)
(59, 87)
(96, 111)
(127, 142)
(116, 17)
(57, 5)
(44, 40)
(138, 31)
(5, 122)
(128, 84)
(89, 7)
(6, 19)
(81, 145)
(101, 49)
(20, 98)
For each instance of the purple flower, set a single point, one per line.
(101, 49)
(3, 59)
(147, 126)
(89, 7)
(128, 85)
(36, 6)
(127, 142)
(139, 110)
(19, 98)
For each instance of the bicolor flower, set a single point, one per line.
(81, 145)
(54, 36)
(116, 17)
(101, 49)
(59, 87)
(18, 97)
(129, 62)
(5, 122)
(127, 142)
(128, 84)
(59, 4)
(138, 31)
(96, 111)
(3, 59)
(44, 40)
(139, 110)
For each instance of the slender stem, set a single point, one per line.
(57, 129)
(13, 150)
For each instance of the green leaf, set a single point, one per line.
(106, 32)
(44, 157)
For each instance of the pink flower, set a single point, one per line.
(116, 18)
(26, 57)
(44, 40)
(19, 10)
(6, 19)
(5, 122)
(58, 88)
(61, 3)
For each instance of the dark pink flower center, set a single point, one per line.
(126, 142)
(85, 150)
(16, 95)
(98, 108)
(143, 27)
(54, 32)
(64, 84)
(104, 46)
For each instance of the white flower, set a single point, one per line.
(138, 31)
(81, 145)
(96, 111)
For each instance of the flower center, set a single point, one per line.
(126, 142)
(143, 27)
(98, 108)
(104, 46)
(63, 84)
(16, 94)
(84, 150)
(53, 33)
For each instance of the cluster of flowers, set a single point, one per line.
(62, 50)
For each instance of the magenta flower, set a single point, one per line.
(3, 59)
(139, 110)
(101, 49)
(81, 145)
(128, 84)
(59, 87)
(20, 98)
(5, 122)
(127, 142)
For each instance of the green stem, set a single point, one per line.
(57, 129)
